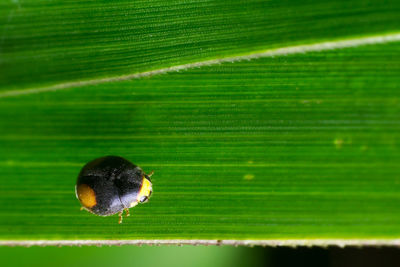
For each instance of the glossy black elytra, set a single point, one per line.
(112, 184)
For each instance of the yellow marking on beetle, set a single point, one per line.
(86, 195)
(145, 190)
(133, 204)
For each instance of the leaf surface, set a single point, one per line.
(293, 147)
(43, 43)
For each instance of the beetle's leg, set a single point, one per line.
(150, 174)
(120, 216)
(127, 212)
(82, 208)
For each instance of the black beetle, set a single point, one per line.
(112, 184)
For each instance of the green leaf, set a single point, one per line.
(48, 42)
(295, 147)
(299, 145)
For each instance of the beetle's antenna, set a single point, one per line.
(150, 174)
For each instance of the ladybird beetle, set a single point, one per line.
(112, 184)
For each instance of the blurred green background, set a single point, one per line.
(165, 256)
(199, 256)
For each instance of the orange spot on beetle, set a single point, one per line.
(86, 196)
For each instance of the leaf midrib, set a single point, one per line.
(282, 51)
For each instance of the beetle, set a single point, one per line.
(112, 184)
